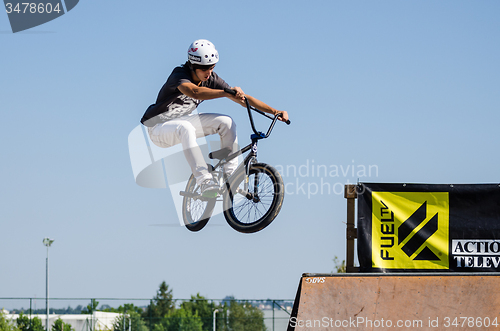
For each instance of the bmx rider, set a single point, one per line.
(170, 121)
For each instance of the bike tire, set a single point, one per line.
(247, 215)
(196, 212)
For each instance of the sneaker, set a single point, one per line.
(209, 188)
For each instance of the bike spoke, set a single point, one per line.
(197, 210)
(249, 211)
(196, 206)
(253, 202)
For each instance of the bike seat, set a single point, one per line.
(220, 154)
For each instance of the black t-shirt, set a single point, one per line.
(171, 103)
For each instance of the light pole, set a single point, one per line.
(215, 312)
(47, 242)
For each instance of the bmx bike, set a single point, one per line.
(251, 197)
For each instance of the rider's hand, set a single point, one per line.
(239, 93)
(284, 115)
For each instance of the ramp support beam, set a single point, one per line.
(351, 231)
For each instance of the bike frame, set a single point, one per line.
(250, 159)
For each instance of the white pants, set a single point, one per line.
(186, 129)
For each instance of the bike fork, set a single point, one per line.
(252, 158)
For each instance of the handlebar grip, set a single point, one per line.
(230, 91)
(287, 121)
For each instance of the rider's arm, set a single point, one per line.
(205, 93)
(259, 105)
(200, 92)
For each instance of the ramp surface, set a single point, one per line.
(397, 302)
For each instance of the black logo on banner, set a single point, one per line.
(420, 237)
(26, 14)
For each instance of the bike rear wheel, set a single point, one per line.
(251, 210)
(196, 210)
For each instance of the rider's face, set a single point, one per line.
(204, 74)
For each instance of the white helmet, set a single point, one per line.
(203, 52)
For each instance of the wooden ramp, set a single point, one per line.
(428, 301)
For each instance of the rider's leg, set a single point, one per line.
(182, 131)
(226, 128)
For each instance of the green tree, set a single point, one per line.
(339, 266)
(245, 317)
(91, 307)
(129, 318)
(59, 325)
(5, 324)
(182, 320)
(161, 305)
(25, 324)
(199, 305)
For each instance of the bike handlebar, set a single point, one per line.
(249, 107)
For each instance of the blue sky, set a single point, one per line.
(408, 89)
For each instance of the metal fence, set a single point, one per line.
(75, 312)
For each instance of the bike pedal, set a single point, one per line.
(210, 194)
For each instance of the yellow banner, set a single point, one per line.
(410, 230)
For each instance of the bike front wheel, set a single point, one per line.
(196, 209)
(250, 206)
